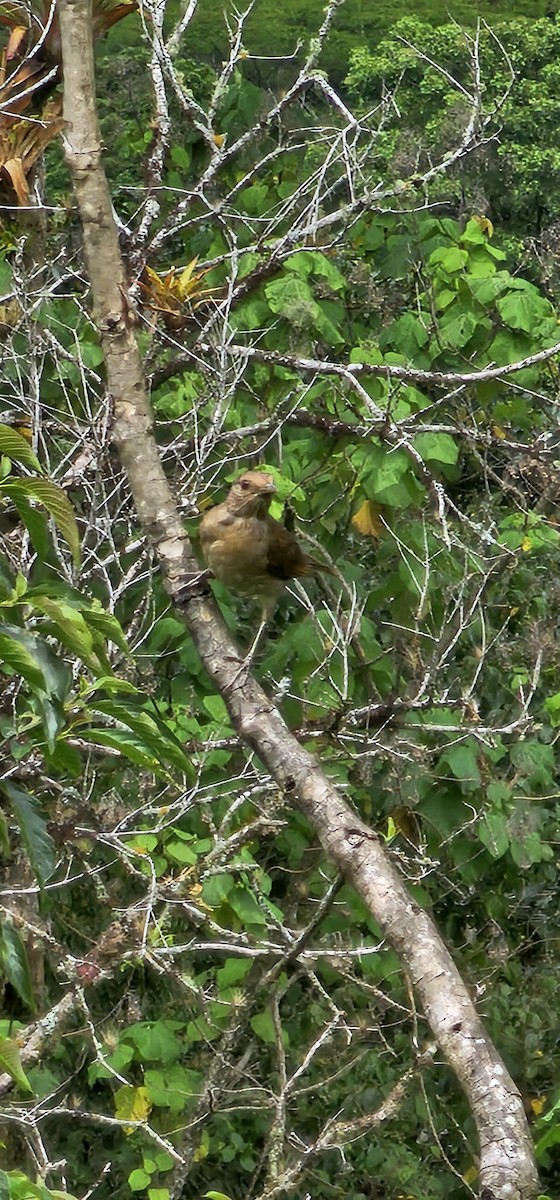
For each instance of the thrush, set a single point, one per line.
(248, 550)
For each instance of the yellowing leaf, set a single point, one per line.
(499, 432)
(471, 1174)
(14, 169)
(219, 139)
(366, 520)
(174, 294)
(485, 225)
(132, 1104)
(17, 36)
(526, 544)
(538, 1104)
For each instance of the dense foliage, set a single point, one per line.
(314, 300)
(516, 174)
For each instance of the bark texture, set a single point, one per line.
(507, 1170)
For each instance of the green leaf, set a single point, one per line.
(462, 761)
(33, 829)
(127, 745)
(179, 852)
(450, 259)
(10, 1062)
(55, 677)
(263, 1026)
(216, 889)
(16, 656)
(245, 907)
(15, 964)
(163, 1160)
(456, 329)
(233, 972)
(174, 1087)
(106, 624)
(34, 519)
(150, 730)
(156, 1041)
(387, 477)
(138, 1180)
(314, 262)
(72, 630)
(493, 833)
(14, 446)
(437, 448)
(522, 311)
(55, 500)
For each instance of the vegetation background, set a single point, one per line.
(193, 998)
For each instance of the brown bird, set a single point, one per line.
(248, 550)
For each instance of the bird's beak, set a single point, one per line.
(269, 489)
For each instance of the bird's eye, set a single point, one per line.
(244, 483)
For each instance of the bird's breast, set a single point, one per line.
(235, 549)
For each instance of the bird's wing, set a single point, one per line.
(285, 558)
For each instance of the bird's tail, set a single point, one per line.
(312, 566)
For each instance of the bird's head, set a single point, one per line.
(251, 494)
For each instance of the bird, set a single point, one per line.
(249, 551)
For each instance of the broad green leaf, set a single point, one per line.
(245, 907)
(34, 519)
(150, 730)
(179, 852)
(216, 889)
(33, 828)
(55, 500)
(263, 1025)
(462, 761)
(54, 678)
(16, 658)
(106, 624)
(14, 446)
(10, 1062)
(73, 631)
(493, 834)
(127, 744)
(156, 1041)
(255, 199)
(408, 335)
(314, 262)
(387, 477)
(173, 1087)
(522, 311)
(437, 448)
(449, 259)
(216, 707)
(163, 1160)
(456, 329)
(138, 1179)
(15, 964)
(233, 972)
